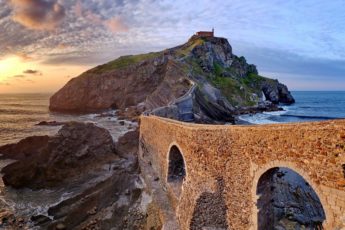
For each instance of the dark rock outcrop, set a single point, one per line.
(208, 111)
(277, 92)
(213, 50)
(46, 161)
(71, 159)
(50, 123)
(287, 202)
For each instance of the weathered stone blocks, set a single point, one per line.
(241, 154)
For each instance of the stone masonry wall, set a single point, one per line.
(240, 155)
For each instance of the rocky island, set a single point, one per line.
(216, 85)
(201, 81)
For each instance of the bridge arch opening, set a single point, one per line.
(287, 201)
(176, 169)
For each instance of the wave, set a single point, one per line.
(310, 117)
(22, 111)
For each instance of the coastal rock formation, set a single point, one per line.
(288, 202)
(152, 79)
(216, 50)
(277, 92)
(111, 193)
(45, 161)
(148, 81)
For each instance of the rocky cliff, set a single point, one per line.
(43, 161)
(224, 82)
(97, 181)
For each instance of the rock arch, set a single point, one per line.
(286, 200)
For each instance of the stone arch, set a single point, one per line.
(176, 169)
(278, 203)
(210, 211)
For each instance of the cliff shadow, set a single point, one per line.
(210, 210)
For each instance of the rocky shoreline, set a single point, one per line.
(105, 178)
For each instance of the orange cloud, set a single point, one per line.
(62, 46)
(116, 25)
(78, 9)
(38, 14)
(24, 56)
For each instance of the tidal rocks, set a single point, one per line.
(107, 175)
(277, 92)
(50, 123)
(47, 161)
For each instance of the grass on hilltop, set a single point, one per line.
(124, 61)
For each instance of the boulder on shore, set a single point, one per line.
(46, 161)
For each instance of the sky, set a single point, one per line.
(44, 43)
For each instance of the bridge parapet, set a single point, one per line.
(239, 155)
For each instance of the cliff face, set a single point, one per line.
(123, 83)
(226, 84)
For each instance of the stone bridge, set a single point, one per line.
(220, 166)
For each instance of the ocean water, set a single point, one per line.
(309, 106)
(19, 114)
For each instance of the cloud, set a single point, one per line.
(116, 25)
(32, 72)
(19, 76)
(26, 74)
(38, 14)
(30, 81)
(5, 84)
(292, 38)
(113, 24)
(24, 56)
(285, 62)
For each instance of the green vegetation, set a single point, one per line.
(218, 70)
(124, 61)
(186, 49)
(238, 91)
(231, 89)
(252, 80)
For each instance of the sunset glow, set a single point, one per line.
(10, 66)
(19, 75)
(301, 47)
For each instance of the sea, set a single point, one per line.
(309, 106)
(20, 114)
